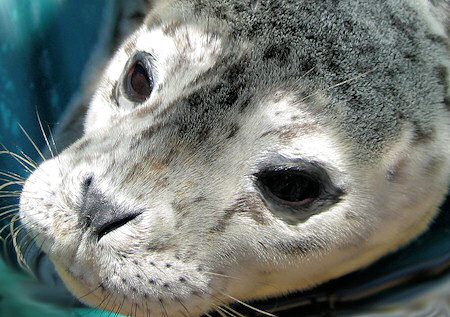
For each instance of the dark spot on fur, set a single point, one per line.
(147, 133)
(222, 223)
(83, 144)
(168, 265)
(182, 279)
(245, 102)
(396, 173)
(442, 76)
(221, 12)
(181, 207)
(171, 28)
(298, 247)
(143, 135)
(447, 103)
(199, 199)
(162, 182)
(351, 216)
(152, 281)
(250, 205)
(233, 131)
(399, 116)
(279, 52)
(348, 25)
(194, 100)
(166, 285)
(422, 134)
(138, 276)
(437, 39)
(159, 246)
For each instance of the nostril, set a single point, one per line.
(105, 227)
(100, 212)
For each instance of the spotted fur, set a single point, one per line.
(355, 89)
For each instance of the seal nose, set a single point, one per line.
(100, 213)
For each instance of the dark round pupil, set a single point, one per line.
(291, 187)
(140, 81)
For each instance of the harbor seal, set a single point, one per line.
(238, 150)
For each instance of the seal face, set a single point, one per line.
(236, 150)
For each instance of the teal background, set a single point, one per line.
(44, 45)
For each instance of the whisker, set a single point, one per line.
(163, 309)
(185, 308)
(44, 134)
(222, 275)
(249, 306)
(13, 176)
(120, 306)
(344, 82)
(22, 161)
(220, 312)
(29, 158)
(32, 142)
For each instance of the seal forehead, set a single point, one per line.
(335, 47)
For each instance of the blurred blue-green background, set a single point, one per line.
(44, 45)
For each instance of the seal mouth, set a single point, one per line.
(114, 224)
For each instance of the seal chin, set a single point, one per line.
(75, 286)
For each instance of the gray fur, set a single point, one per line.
(308, 46)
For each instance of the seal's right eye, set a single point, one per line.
(137, 81)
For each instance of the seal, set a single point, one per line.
(235, 150)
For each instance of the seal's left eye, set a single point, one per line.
(138, 82)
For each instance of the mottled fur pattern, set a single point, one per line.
(357, 90)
